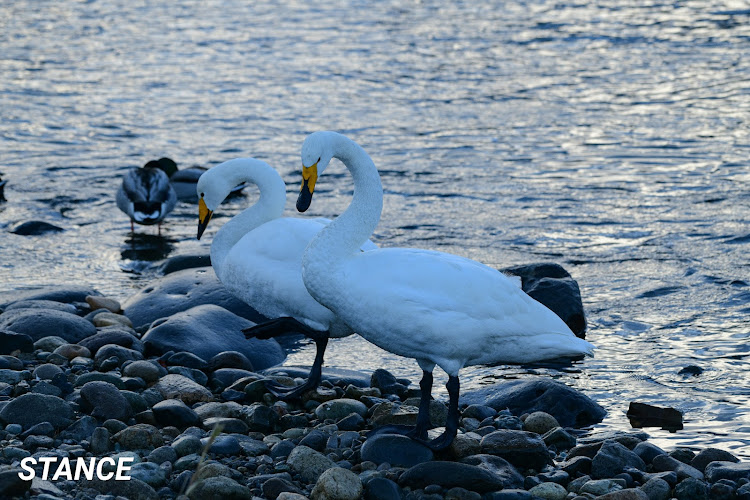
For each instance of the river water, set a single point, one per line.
(611, 137)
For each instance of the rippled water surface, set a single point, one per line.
(611, 137)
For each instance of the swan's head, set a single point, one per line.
(212, 187)
(317, 151)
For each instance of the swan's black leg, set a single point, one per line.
(284, 325)
(451, 425)
(424, 424)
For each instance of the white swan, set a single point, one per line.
(438, 308)
(257, 255)
(146, 195)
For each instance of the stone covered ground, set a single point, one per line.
(80, 377)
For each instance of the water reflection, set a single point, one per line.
(147, 247)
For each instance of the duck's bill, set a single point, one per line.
(309, 176)
(204, 217)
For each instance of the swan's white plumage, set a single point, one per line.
(257, 254)
(438, 308)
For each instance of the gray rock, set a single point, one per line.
(139, 437)
(656, 489)
(103, 400)
(339, 408)
(501, 468)
(662, 463)
(315, 439)
(163, 454)
(12, 486)
(540, 422)
(110, 378)
(450, 475)
(183, 290)
(521, 448)
(187, 445)
(559, 438)
(100, 443)
(224, 377)
(208, 330)
(34, 228)
(219, 488)
(599, 487)
(187, 261)
(80, 430)
(626, 494)
(230, 359)
(259, 418)
(691, 489)
(121, 353)
(570, 407)
(647, 451)
(39, 323)
(188, 360)
(65, 294)
(308, 463)
(337, 484)
(183, 388)
(49, 343)
(228, 425)
(113, 336)
(42, 304)
(380, 488)
(135, 488)
(708, 455)
(612, 458)
(42, 429)
(31, 409)
(549, 491)
(148, 472)
(147, 370)
(175, 412)
(553, 286)
(333, 375)
(722, 470)
(397, 450)
(273, 486)
(223, 445)
(12, 341)
(8, 376)
(46, 371)
(191, 373)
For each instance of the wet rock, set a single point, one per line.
(553, 286)
(12, 341)
(333, 375)
(662, 463)
(175, 412)
(645, 415)
(337, 484)
(308, 463)
(34, 228)
(208, 330)
(691, 370)
(38, 323)
(708, 455)
(64, 294)
(112, 336)
(521, 448)
(549, 491)
(31, 409)
(103, 400)
(181, 291)
(647, 451)
(107, 318)
(691, 489)
(387, 383)
(180, 262)
(450, 475)
(569, 407)
(716, 471)
(179, 387)
(559, 438)
(612, 458)
(99, 302)
(395, 449)
(501, 468)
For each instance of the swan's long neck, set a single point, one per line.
(344, 236)
(270, 206)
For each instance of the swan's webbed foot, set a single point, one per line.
(281, 326)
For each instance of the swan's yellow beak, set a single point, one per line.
(204, 216)
(309, 176)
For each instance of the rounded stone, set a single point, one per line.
(219, 488)
(39, 323)
(180, 387)
(70, 351)
(111, 319)
(540, 422)
(105, 401)
(339, 408)
(97, 302)
(308, 463)
(46, 371)
(549, 491)
(175, 412)
(146, 370)
(395, 449)
(337, 484)
(31, 409)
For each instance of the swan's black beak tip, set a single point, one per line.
(304, 199)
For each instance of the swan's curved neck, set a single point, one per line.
(347, 233)
(270, 206)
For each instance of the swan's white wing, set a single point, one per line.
(447, 309)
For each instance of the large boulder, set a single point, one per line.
(207, 330)
(66, 294)
(570, 407)
(39, 323)
(180, 291)
(553, 286)
(32, 409)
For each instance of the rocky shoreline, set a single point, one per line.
(78, 380)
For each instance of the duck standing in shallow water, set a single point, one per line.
(435, 307)
(257, 255)
(146, 195)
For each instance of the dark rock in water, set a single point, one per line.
(521, 448)
(709, 455)
(31, 409)
(181, 262)
(612, 458)
(645, 415)
(35, 228)
(113, 336)
(38, 323)
(553, 286)
(175, 412)
(181, 291)
(103, 400)
(206, 331)
(570, 407)
(499, 467)
(727, 470)
(12, 341)
(691, 370)
(333, 375)
(397, 450)
(450, 475)
(65, 294)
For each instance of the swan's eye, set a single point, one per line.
(201, 195)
